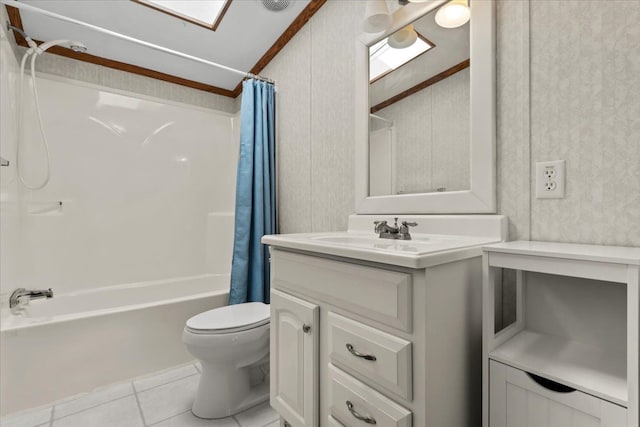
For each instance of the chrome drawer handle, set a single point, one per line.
(368, 420)
(360, 355)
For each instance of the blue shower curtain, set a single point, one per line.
(255, 213)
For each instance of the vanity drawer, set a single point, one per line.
(353, 346)
(378, 294)
(515, 398)
(350, 401)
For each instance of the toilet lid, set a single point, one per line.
(238, 317)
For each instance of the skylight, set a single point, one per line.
(383, 58)
(206, 13)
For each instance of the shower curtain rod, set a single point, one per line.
(29, 8)
(380, 118)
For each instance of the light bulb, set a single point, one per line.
(403, 38)
(376, 17)
(453, 14)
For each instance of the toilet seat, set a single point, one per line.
(230, 319)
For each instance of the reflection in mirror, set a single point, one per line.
(419, 130)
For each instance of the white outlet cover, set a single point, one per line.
(544, 185)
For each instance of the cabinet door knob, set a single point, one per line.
(306, 328)
(360, 355)
(356, 415)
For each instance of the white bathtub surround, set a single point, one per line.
(162, 399)
(138, 179)
(129, 233)
(126, 331)
(9, 68)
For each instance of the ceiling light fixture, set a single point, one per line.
(454, 14)
(403, 38)
(376, 16)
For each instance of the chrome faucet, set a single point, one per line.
(394, 232)
(385, 230)
(22, 296)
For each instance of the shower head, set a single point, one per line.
(76, 46)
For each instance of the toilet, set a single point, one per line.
(231, 343)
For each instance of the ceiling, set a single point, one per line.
(246, 32)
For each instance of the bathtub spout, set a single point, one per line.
(22, 296)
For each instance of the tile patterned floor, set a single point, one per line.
(160, 400)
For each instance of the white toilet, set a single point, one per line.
(229, 341)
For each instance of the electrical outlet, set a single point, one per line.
(550, 179)
(549, 172)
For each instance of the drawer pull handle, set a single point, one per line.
(368, 420)
(551, 385)
(360, 355)
(306, 328)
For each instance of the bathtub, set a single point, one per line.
(79, 341)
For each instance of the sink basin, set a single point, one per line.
(419, 244)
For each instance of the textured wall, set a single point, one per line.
(513, 156)
(568, 88)
(585, 108)
(432, 129)
(315, 78)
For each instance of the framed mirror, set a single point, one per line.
(425, 114)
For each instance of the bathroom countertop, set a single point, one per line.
(424, 250)
(599, 253)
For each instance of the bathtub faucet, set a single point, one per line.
(22, 296)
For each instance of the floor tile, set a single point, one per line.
(168, 400)
(187, 419)
(28, 419)
(164, 377)
(122, 412)
(97, 397)
(276, 423)
(258, 416)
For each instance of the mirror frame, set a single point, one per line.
(481, 197)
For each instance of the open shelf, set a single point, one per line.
(592, 370)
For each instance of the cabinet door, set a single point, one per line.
(294, 359)
(516, 400)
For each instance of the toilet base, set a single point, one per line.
(226, 391)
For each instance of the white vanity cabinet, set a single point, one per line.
(571, 356)
(396, 346)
